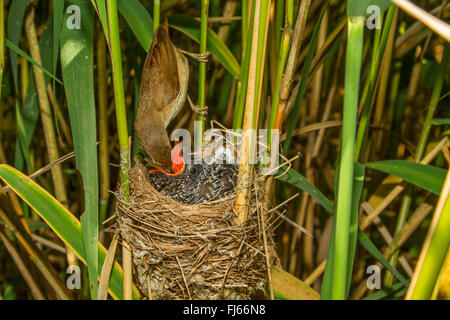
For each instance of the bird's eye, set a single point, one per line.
(193, 170)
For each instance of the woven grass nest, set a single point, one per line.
(197, 251)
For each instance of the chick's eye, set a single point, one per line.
(193, 170)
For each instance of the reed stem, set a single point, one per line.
(156, 14)
(202, 70)
(121, 117)
(103, 126)
(252, 101)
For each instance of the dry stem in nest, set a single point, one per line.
(194, 251)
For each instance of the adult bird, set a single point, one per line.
(162, 95)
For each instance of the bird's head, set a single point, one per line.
(176, 165)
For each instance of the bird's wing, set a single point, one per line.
(218, 184)
(160, 84)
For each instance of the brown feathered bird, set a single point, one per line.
(163, 93)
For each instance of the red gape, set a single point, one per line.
(177, 160)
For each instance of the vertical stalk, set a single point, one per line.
(437, 88)
(282, 57)
(256, 70)
(47, 121)
(261, 57)
(380, 118)
(36, 256)
(434, 250)
(282, 93)
(279, 10)
(244, 27)
(156, 13)
(369, 89)
(345, 187)
(436, 25)
(286, 81)
(242, 189)
(46, 113)
(423, 140)
(23, 78)
(121, 117)
(202, 69)
(245, 64)
(103, 126)
(21, 266)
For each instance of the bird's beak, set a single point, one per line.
(177, 163)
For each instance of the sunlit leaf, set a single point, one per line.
(62, 222)
(288, 287)
(423, 176)
(138, 19)
(295, 178)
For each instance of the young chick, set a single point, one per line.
(197, 182)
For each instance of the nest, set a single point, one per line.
(199, 251)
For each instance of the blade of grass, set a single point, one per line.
(138, 19)
(293, 117)
(28, 116)
(359, 8)
(346, 174)
(358, 175)
(16, 14)
(367, 98)
(295, 178)
(58, 16)
(370, 247)
(440, 122)
(60, 220)
(100, 7)
(46, 117)
(77, 64)
(327, 284)
(245, 65)
(16, 49)
(423, 176)
(397, 289)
